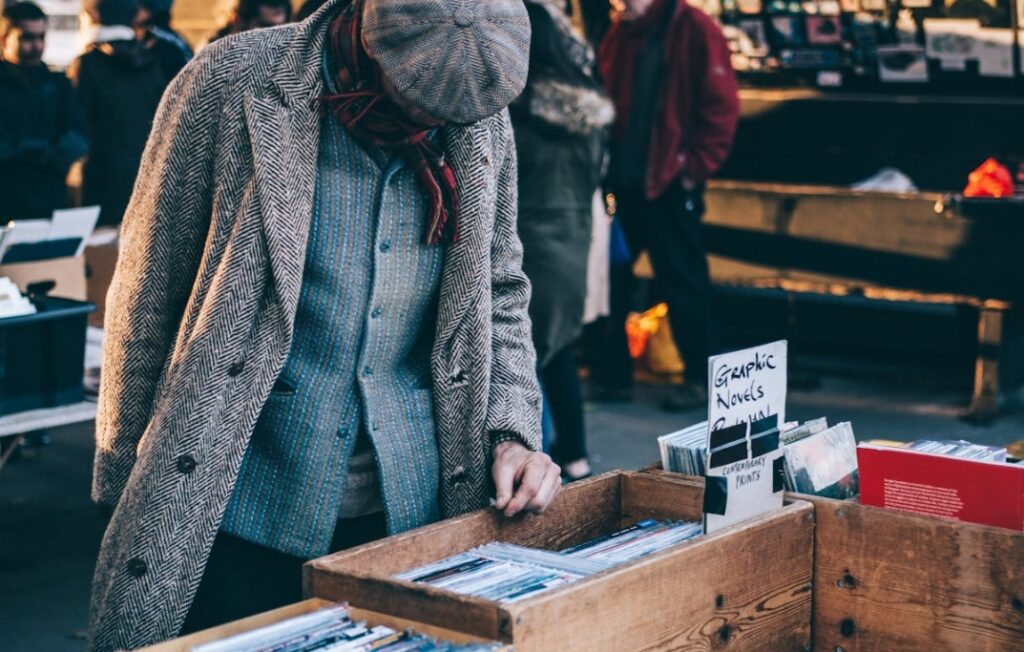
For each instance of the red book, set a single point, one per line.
(989, 493)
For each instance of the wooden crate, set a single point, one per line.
(888, 580)
(898, 582)
(744, 588)
(186, 643)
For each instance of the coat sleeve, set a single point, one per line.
(513, 412)
(717, 105)
(162, 238)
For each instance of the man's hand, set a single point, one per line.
(526, 481)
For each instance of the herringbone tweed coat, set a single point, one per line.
(202, 308)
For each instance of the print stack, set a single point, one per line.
(683, 451)
(962, 449)
(508, 573)
(819, 460)
(332, 629)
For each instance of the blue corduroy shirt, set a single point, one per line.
(359, 363)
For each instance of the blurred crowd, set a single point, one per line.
(634, 101)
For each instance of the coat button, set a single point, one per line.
(236, 369)
(186, 464)
(459, 476)
(137, 567)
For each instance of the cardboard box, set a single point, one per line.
(100, 262)
(67, 273)
(746, 587)
(186, 643)
(900, 582)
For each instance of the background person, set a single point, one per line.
(560, 130)
(42, 131)
(255, 14)
(667, 67)
(119, 84)
(153, 28)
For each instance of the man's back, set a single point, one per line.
(120, 85)
(37, 110)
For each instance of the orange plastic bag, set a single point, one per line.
(991, 179)
(650, 339)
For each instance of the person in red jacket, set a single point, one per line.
(667, 67)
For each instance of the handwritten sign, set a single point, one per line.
(746, 406)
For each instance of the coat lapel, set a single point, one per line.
(468, 152)
(284, 150)
(283, 119)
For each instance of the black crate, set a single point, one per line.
(42, 356)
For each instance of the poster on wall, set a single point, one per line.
(786, 32)
(955, 43)
(757, 35)
(902, 64)
(824, 30)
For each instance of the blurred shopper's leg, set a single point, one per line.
(613, 366)
(676, 246)
(562, 385)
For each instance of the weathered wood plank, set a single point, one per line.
(748, 588)
(692, 597)
(887, 580)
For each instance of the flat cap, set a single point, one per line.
(459, 60)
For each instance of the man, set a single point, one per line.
(153, 28)
(667, 67)
(119, 84)
(41, 128)
(255, 14)
(318, 330)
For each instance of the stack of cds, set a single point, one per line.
(644, 538)
(508, 573)
(821, 461)
(503, 572)
(332, 630)
(683, 451)
(964, 449)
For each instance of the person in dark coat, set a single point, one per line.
(153, 28)
(119, 83)
(667, 67)
(42, 131)
(560, 125)
(309, 8)
(255, 14)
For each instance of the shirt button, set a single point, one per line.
(367, 371)
(343, 434)
(137, 567)
(236, 369)
(186, 464)
(385, 246)
(376, 313)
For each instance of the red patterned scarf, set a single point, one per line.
(375, 120)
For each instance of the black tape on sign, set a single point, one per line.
(725, 436)
(734, 453)
(779, 474)
(764, 425)
(716, 494)
(764, 443)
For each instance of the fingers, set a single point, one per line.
(506, 473)
(534, 473)
(550, 489)
(540, 483)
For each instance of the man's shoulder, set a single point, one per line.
(245, 59)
